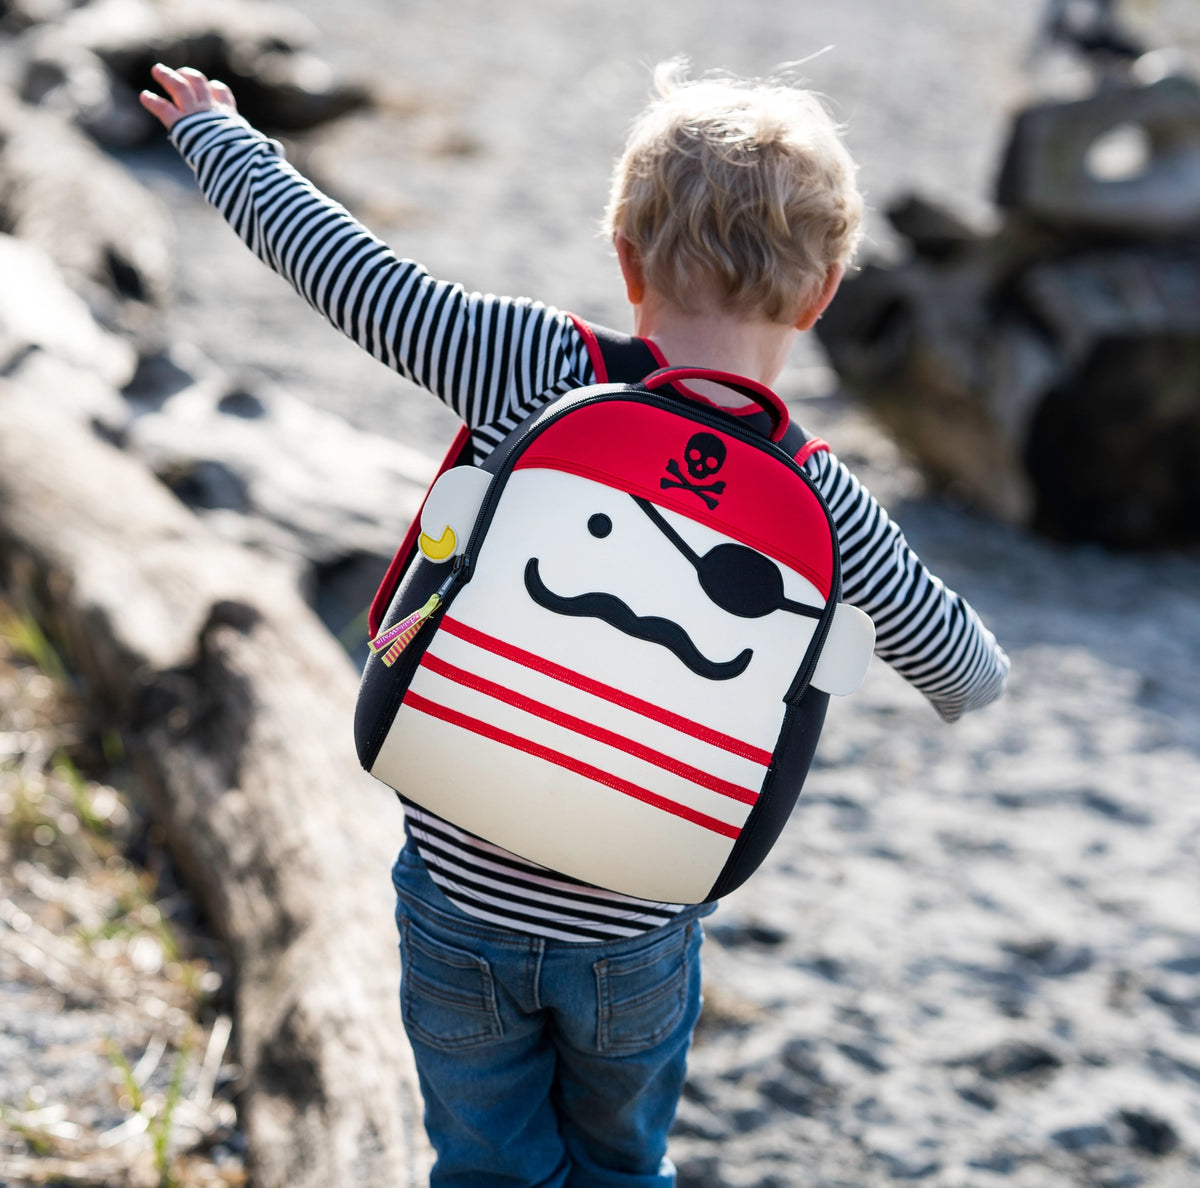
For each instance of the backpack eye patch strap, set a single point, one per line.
(737, 578)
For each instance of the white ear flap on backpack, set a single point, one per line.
(450, 510)
(846, 653)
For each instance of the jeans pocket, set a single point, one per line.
(447, 995)
(641, 997)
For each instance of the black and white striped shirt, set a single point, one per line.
(494, 360)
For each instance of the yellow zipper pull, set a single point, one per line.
(397, 638)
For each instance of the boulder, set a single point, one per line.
(105, 231)
(39, 312)
(92, 64)
(1049, 372)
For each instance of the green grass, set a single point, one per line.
(81, 827)
(21, 631)
(160, 1127)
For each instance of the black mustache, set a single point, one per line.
(652, 629)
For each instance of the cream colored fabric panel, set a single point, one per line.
(678, 789)
(847, 651)
(551, 815)
(578, 702)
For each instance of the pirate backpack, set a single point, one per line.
(612, 650)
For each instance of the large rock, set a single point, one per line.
(953, 385)
(92, 64)
(1049, 373)
(272, 472)
(106, 232)
(1052, 171)
(39, 312)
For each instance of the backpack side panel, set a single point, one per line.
(381, 688)
(793, 757)
(460, 449)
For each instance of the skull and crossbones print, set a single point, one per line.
(703, 456)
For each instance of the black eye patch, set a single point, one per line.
(738, 579)
(741, 581)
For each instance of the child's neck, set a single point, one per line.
(752, 347)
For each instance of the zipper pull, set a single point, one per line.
(395, 639)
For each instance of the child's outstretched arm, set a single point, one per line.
(924, 630)
(492, 359)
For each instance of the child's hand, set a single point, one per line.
(190, 92)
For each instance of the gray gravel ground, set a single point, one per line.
(974, 959)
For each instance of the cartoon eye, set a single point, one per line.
(600, 525)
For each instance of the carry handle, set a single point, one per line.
(752, 389)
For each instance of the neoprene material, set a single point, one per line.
(615, 684)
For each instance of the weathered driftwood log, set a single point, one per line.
(237, 704)
(270, 471)
(1122, 161)
(1050, 372)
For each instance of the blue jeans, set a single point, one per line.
(544, 1064)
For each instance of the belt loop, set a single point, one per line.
(537, 950)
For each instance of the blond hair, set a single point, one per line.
(738, 191)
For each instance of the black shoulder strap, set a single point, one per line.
(616, 358)
(626, 359)
(796, 439)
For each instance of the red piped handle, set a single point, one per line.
(751, 389)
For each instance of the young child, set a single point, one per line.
(551, 1020)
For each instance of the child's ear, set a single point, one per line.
(812, 311)
(631, 269)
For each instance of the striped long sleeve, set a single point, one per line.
(929, 634)
(494, 360)
(491, 359)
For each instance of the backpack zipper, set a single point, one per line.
(395, 639)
